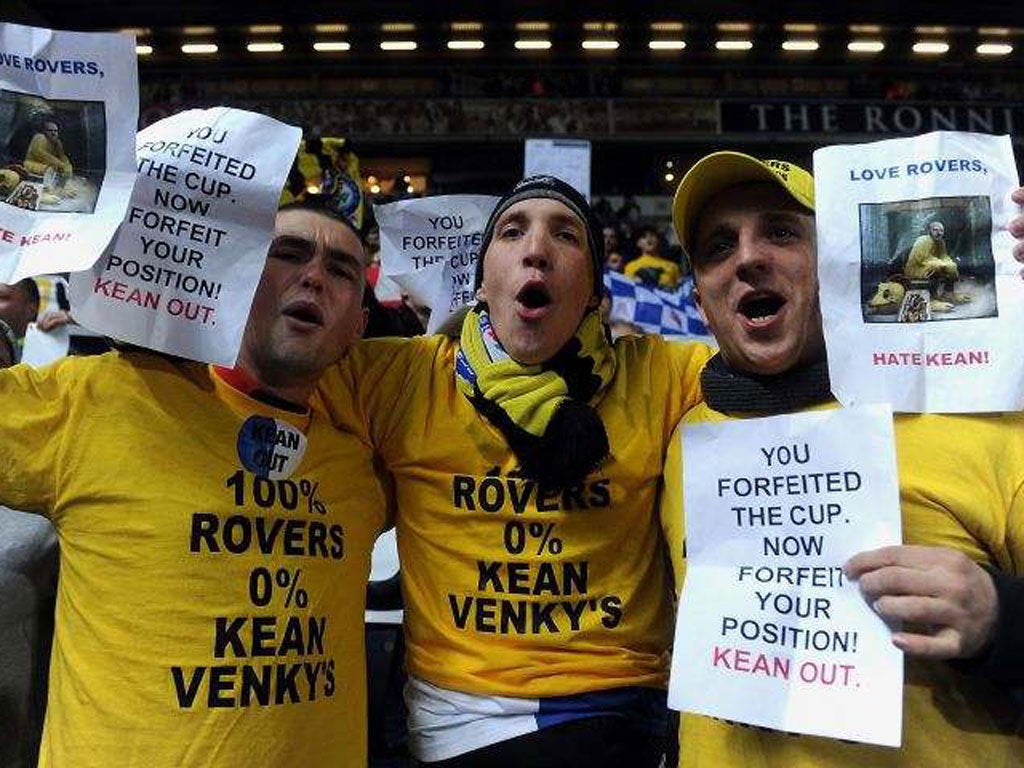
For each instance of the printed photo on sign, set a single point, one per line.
(927, 260)
(54, 153)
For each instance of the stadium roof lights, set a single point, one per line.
(800, 45)
(600, 44)
(930, 47)
(532, 26)
(665, 44)
(664, 36)
(265, 46)
(193, 49)
(733, 44)
(994, 49)
(465, 45)
(865, 46)
(331, 46)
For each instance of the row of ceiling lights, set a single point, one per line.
(865, 39)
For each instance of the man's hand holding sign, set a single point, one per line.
(946, 601)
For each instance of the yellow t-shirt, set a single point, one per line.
(44, 153)
(960, 482)
(214, 558)
(929, 258)
(668, 271)
(511, 589)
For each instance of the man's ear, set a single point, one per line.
(481, 294)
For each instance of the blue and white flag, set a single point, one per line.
(668, 313)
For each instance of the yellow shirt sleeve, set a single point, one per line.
(368, 392)
(36, 406)
(686, 360)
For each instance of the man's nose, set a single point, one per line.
(751, 256)
(537, 253)
(314, 272)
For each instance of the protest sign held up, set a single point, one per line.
(770, 632)
(181, 274)
(430, 246)
(920, 298)
(69, 104)
(566, 159)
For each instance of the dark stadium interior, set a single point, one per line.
(457, 118)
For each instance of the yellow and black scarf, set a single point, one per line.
(546, 411)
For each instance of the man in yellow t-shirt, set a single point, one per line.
(650, 266)
(929, 259)
(215, 532)
(747, 226)
(46, 151)
(526, 457)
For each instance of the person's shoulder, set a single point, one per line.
(652, 349)
(392, 362)
(1004, 429)
(122, 364)
(99, 376)
(388, 350)
(66, 368)
(653, 343)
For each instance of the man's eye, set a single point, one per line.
(783, 233)
(716, 250)
(568, 235)
(342, 271)
(510, 232)
(288, 254)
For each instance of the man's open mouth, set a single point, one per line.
(760, 307)
(533, 296)
(305, 312)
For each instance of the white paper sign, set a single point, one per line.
(566, 159)
(920, 296)
(69, 104)
(769, 631)
(44, 347)
(183, 269)
(430, 246)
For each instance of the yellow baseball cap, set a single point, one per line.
(721, 170)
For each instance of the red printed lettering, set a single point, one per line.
(932, 359)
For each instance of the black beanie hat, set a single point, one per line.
(554, 189)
